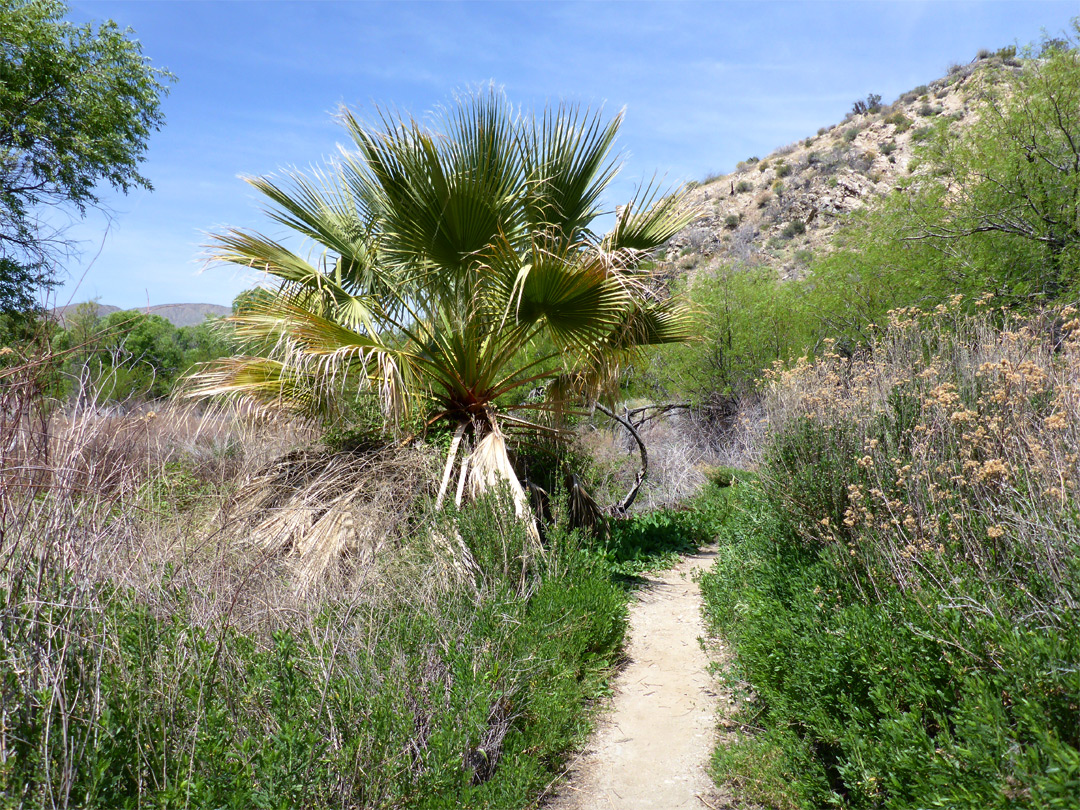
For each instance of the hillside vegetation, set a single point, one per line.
(902, 577)
(967, 185)
(903, 581)
(393, 571)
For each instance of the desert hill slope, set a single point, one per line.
(177, 314)
(783, 209)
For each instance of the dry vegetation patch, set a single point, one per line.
(205, 609)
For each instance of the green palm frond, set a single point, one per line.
(649, 220)
(651, 323)
(441, 261)
(262, 384)
(575, 294)
(444, 199)
(568, 164)
(327, 212)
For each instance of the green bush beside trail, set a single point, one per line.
(859, 702)
(470, 700)
(901, 585)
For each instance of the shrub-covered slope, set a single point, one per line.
(783, 209)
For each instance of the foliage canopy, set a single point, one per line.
(994, 207)
(77, 104)
(452, 267)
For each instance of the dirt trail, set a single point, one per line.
(652, 748)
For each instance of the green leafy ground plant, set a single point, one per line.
(901, 586)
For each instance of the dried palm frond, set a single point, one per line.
(490, 468)
(329, 513)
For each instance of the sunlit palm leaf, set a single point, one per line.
(262, 384)
(328, 213)
(446, 259)
(651, 323)
(649, 220)
(568, 164)
(445, 199)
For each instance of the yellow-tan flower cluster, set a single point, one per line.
(983, 427)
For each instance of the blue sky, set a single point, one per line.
(703, 86)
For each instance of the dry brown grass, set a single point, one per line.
(330, 514)
(680, 454)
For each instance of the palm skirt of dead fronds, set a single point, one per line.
(330, 513)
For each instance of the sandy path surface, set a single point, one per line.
(652, 749)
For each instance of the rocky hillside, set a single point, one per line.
(783, 209)
(177, 314)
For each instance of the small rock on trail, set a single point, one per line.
(651, 750)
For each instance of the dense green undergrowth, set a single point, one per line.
(862, 703)
(652, 541)
(464, 698)
(901, 586)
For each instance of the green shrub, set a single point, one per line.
(902, 614)
(654, 540)
(731, 221)
(901, 123)
(743, 186)
(872, 104)
(453, 699)
(861, 702)
(850, 133)
(792, 229)
(783, 170)
(749, 320)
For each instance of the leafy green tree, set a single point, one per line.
(1007, 209)
(123, 355)
(146, 348)
(204, 342)
(77, 104)
(445, 262)
(749, 320)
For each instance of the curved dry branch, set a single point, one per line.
(624, 505)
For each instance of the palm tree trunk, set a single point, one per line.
(454, 444)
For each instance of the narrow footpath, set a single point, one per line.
(651, 750)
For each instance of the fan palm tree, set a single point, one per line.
(450, 267)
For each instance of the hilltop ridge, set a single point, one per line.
(783, 209)
(176, 314)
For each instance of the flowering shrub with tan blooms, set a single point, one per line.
(903, 587)
(955, 452)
